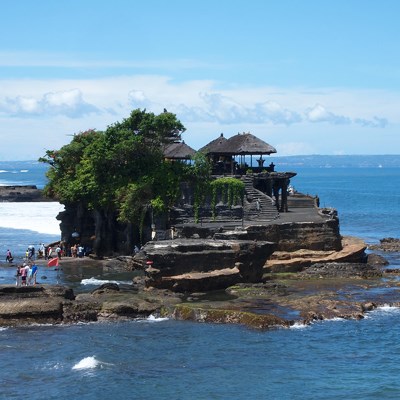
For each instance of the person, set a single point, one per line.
(58, 251)
(49, 252)
(258, 204)
(18, 276)
(9, 256)
(23, 275)
(31, 252)
(136, 249)
(34, 273)
(74, 251)
(28, 274)
(42, 251)
(80, 251)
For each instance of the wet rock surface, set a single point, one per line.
(280, 300)
(386, 244)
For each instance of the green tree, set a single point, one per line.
(117, 173)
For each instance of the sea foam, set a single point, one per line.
(97, 282)
(87, 363)
(153, 318)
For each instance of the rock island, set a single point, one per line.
(217, 235)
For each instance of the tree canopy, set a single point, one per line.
(120, 169)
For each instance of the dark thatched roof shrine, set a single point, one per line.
(240, 144)
(214, 146)
(178, 151)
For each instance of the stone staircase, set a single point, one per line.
(265, 211)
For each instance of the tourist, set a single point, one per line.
(9, 256)
(74, 251)
(34, 273)
(42, 251)
(23, 275)
(80, 251)
(49, 253)
(28, 274)
(58, 251)
(18, 276)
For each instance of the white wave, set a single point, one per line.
(87, 363)
(2, 171)
(299, 325)
(3, 329)
(24, 170)
(37, 216)
(388, 308)
(153, 318)
(97, 282)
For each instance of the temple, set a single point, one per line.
(242, 156)
(244, 190)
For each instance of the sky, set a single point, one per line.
(306, 76)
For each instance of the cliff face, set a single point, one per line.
(203, 264)
(323, 236)
(289, 237)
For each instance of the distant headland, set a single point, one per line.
(21, 193)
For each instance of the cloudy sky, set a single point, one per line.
(308, 77)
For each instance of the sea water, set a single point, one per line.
(165, 359)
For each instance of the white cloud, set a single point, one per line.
(289, 119)
(271, 111)
(319, 113)
(69, 103)
(138, 99)
(225, 109)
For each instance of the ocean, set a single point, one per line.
(165, 359)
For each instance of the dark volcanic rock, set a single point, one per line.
(174, 264)
(26, 193)
(386, 244)
(342, 270)
(28, 304)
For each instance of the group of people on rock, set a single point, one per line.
(48, 252)
(26, 274)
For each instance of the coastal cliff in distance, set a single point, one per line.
(22, 193)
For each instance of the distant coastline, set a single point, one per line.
(339, 161)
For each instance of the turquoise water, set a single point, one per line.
(164, 359)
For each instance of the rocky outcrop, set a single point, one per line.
(203, 265)
(352, 251)
(288, 237)
(33, 304)
(292, 236)
(341, 270)
(386, 244)
(26, 193)
(43, 304)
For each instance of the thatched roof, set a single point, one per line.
(214, 146)
(178, 151)
(240, 144)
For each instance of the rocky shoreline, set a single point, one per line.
(22, 193)
(322, 290)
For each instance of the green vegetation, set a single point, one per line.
(120, 173)
(121, 177)
(229, 190)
